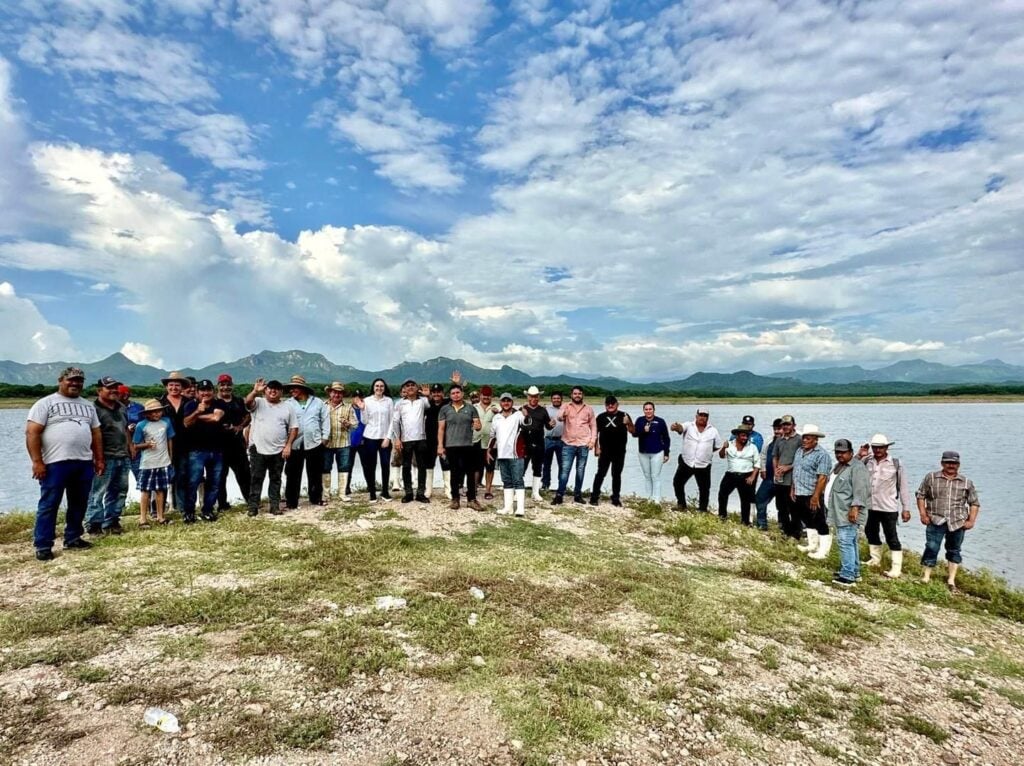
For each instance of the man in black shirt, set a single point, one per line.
(437, 401)
(536, 418)
(202, 421)
(236, 418)
(613, 430)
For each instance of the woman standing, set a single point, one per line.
(654, 443)
(377, 411)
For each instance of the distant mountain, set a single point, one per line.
(315, 368)
(116, 365)
(914, 371)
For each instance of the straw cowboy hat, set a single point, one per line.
(335, 386)
(176, 377)
(880, 440)
(810, 429)
(153, 405)
(297, 381)
(742, 429)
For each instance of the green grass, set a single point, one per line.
(925, 728)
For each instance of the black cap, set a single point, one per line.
(274, 384)
(777, 423)
(748, 420)
(843, 445)
(107, 382)
(205, 385)
(191, 380)
(610, 400)
(950, 456)
(436, 387)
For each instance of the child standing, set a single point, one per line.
(153, 437)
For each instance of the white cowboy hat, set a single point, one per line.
(880, 440)
(533, 391)
(810, 429)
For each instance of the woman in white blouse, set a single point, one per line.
(377, 412)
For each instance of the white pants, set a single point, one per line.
(650, 465)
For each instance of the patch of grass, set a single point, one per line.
(819, 703)
(646, 509)
(16, 527)
(159, 692)
(1013, 696)
(770, 657)
(695, 526)
(865, 712)
(54, 619)
(57, 652)
(758, 568)
(90, 674)
(305, 732)
(967, 696)
(184, 647)
(916, 725)
(775, 720)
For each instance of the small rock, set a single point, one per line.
(63, 696)
(950, 758)
(364, 523)
(100, 704)
(598, 705)
(685, 541)
(473, 619)
(477, 593)
(965, 650)
(386, 688)
(708, 670)
(387, 603)
(478, 661)
(255, 708)
(516, 744)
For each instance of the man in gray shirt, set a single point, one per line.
(456, 423)
(110, 488)
(783, 454)
(274, 427)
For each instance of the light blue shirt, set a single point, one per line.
(314, 423)
(807, 467)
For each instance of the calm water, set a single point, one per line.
(921, 433)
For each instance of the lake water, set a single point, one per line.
(921, 432)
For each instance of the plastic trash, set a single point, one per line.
(161, 719)
(476, 593)
(473, 619)
(387, 603)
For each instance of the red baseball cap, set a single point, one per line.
(224, 378)
(486, 391)
(123, 389)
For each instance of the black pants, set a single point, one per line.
(534, 457)
(463, 461)
(368, 451)
(420, 451)
(262, 466)
(812, 519)
(736, 481)
(888, 521)
(606, 460)
(703, 477)
(237, 461)
(353, 455)
(789, 519)
(313, 460)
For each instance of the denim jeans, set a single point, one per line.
(200, 463)
(512, 469)
(340, 456)
(552, 449)
(763, 496)
(651, 464)
(75, 478)
(569, 454)
(849, 556)
(108, 493)
(934, 534)
(261, 467)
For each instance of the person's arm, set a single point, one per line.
(98, 463)
(628, 422)
(723, 449)
(34, 445)
(923, 496)
(441, 425)
(292, 436)
(756, 461)
(819, 487)
(666, 442)
(903, 491)
(250, 398)
(973, 507)
(325, 424)
(861, 493)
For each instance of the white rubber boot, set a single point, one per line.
(876, 555)
(536, 489)
(520, 501)
(824, 546)
(812, 542)
(327, 486)
(446, 477)
(430, 483)
(342, 483)
(507, 510)
(897, 565)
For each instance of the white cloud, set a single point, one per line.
(27, 336)
(140, 353)
(99, 287)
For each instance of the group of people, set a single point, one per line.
(181, 447)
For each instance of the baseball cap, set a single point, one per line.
(748, 420)
(610, 399)
(703, 411)
(72, 372)
(408, 381)
(123, 389)
(786, 420)
(950, 456)
(777, 423)
(486, 391)
(107, 382)
(436, 387)
(204, 385)
(224, 378)
(505, 395)
(843, 445)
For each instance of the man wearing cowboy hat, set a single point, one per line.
(811, 468)
(64, 442)
(338, 450)
(535, 419)
(889, 492)
(948, 504)
(314, 421)
(744, 463)
(174, 401)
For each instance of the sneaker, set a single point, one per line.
(556, 500)
(222, 508)
(422, 499)
(79, 544)
(276, 512)
(44, 554)
(95, 528)
(209, 516)
(578, 499)
(385, 495)
(475, 505)
(844, 582)
(113, 529)
(188, 520)
(593, 499)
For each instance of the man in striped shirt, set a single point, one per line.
(948, 504)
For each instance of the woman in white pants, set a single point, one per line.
(653, 436)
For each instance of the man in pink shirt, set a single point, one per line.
(577, 440)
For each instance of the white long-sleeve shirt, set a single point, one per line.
(408, 422)
(377, 414)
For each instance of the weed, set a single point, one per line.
(1014, 697)
(305, 732)
(916, 725)
(770, 657)
(90, 674)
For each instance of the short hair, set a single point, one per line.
(777, 423)
(454, 386)
(558, 393)
(646, 403)
(578, 388)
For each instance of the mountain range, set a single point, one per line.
(908, 376)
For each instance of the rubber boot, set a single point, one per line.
(507, 510)
(812, 542)
(536, 489)
(446, 477)
(327, 486)
(951, 577)
(430, 483)
(897, 565)
(824, 546)
(342, 484)
(520, 502)
(876, 556)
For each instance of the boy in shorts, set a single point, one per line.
(153, 438)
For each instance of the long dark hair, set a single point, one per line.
(387, 391)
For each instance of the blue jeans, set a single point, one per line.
(340, 456)
(763, 496)
(202, 462)
(75, 478)
(651, 464)
(933, 537)
(552, 449)
(109, 490)
(512, 469)
(570, 453)
(849, 556)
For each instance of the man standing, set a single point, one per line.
(308, 448)
(274, 427)
(338, 450)
(613, 430)
(783, 455)
(846, 495)
(63, 439)
(505, 439)
(486, 410)
(409, 437)
(948, 504)
(744, 462)
(110, 488)
(437, 401)
(766, 489)
(578, 439)
(236, 418)
(553, 444)
(811, 468)
(203, 418)
(174, 403)
(456, 423)
(535, 419)
(700, 442)
(888, 493)
(755, 438)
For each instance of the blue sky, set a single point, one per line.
(638, 189)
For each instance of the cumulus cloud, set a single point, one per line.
(140, 353)
(28, 336)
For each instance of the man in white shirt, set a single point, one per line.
(274, 427)
(505, 427)
(700, 442)
(890, 495)
(409, 438)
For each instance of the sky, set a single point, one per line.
(641, 189)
